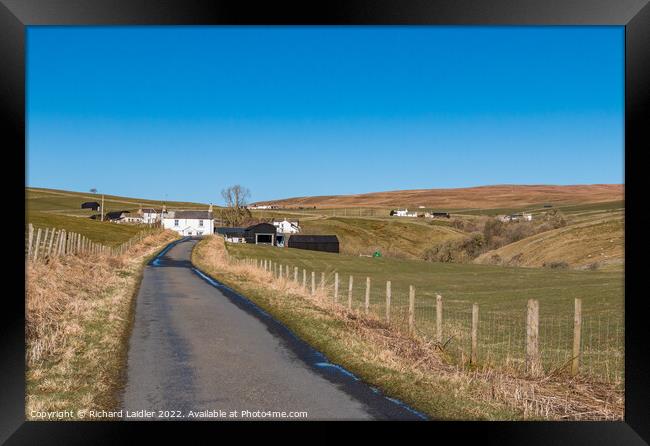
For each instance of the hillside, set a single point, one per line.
(395, 238)
(597, 241)
(49, 208)
(69, 203)
(483, 197)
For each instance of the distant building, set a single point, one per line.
(521, 216)
(403, 213)
(93, 205)
(132, 218)
(116, 216)
(189, 223)
(263, 206)
(326, 243)
(437, 215)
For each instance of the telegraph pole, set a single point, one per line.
(102, 207)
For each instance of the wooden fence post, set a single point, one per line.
(313, 283)
(280, 270)
(474, 356)
(322, 281)
(49, 246)
(29, 241)
(44, 250)
(336, 286)
(304, 279)
(367, 303)
(388, 296)
(286, 269)
(37, 244)
(62, 244)
(439, 318)
(78, 243)
(295, 274)
(532, 337)
(350, 293)
(411, 309)
(577, 334)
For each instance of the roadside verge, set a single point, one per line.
(79, 311)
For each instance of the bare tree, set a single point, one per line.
(236, 198)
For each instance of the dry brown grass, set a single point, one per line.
(484, 197)
(411, 368)
(594, 243)
(78, 313)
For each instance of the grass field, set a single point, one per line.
(110, 234)
(396, 238)
(501, 293)
(69, 203)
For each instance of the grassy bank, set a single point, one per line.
(410, 368)
(79, 313)
(110, 234)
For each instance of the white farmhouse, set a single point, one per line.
(195, 223)
(150, 215)
(287, 227)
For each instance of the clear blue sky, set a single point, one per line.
(183, 112)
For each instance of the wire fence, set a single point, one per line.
(522, 341)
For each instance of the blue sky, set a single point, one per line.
(182, 112)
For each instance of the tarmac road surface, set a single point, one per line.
(198, 348)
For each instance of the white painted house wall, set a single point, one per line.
(151, 217)
(188, 226)
(287, 227)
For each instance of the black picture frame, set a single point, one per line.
(634, 15)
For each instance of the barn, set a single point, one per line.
(261, 233)
(93, 205)
(233, 235)
(326, 243)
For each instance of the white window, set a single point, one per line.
(200, 222)
(175, 222)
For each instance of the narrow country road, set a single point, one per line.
(198, 346)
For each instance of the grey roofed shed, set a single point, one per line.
(231, 232)
(90, 205)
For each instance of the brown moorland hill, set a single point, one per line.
(481, 197)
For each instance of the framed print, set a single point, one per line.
(359, 211)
